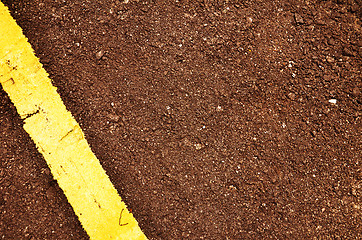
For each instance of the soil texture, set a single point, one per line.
(213, 119)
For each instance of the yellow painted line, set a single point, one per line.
(59, 138)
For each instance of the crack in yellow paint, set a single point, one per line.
(60, 139)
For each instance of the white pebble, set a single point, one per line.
(334, 101)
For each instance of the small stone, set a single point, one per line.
(187, 142)
(356, 91)
(356, 206)
(46, 171)
(333, 101)
(321, 22)
(233, 188)
(354, 192)
(327, 77)
(198, 146)
(291, 96)
(113, 117)
(330, 59)
(100, 54)
(298, 19)
(347, 52)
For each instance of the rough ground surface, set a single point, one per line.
(213, 119)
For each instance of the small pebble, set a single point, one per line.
(330, 59)
(113, 117)
(334, 101)
(198, 146)
(356, 91)
(298, 19)
(100, 54)
(291, 96)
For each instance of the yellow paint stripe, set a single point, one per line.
(59, 138)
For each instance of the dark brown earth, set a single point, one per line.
(213, 119)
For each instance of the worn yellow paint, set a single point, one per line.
(59, 138)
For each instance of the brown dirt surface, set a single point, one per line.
(213, 119)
